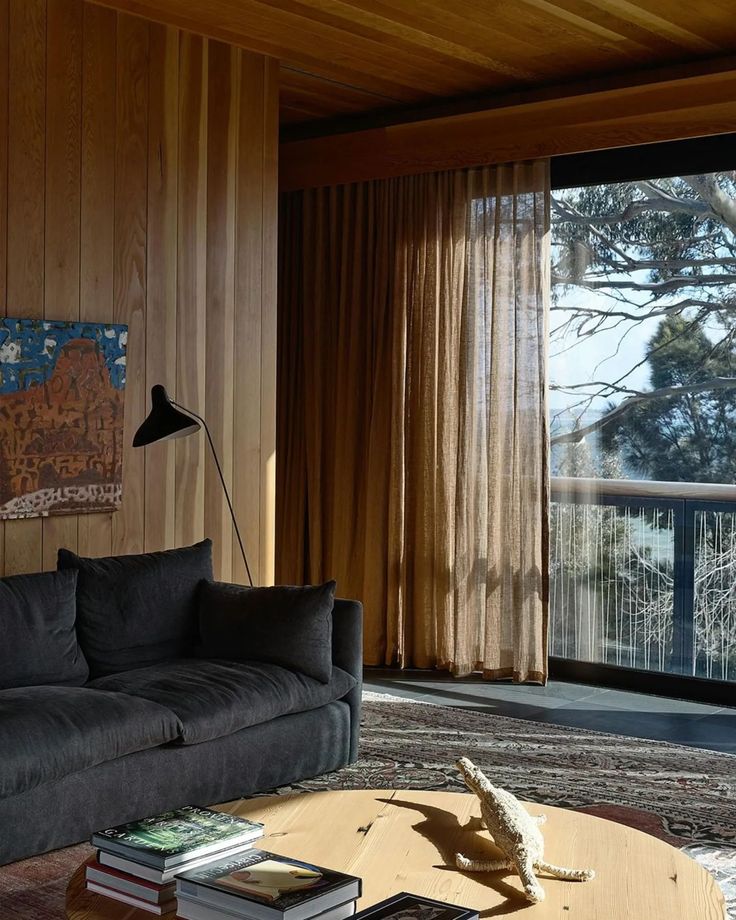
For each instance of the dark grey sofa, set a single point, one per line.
(75, 759)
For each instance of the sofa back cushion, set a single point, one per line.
(138, 610)
(39, 645)
(291, 627)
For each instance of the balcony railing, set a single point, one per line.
(643, 575)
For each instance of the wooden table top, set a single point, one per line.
(401, 840)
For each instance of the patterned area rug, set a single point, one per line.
(683, 795)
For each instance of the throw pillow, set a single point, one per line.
(291, 627)
(39, 644)
(138, 610)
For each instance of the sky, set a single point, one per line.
(602, 356)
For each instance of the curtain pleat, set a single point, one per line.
(412, 422)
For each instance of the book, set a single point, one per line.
(264, 886)
(129, 884)
(195, 910)
(159, 909)
(176, 837)
(405, 906)
(163, 876)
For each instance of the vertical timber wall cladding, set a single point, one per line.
(138, 184)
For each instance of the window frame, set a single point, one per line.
(716, 153)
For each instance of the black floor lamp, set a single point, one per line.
(167, 420)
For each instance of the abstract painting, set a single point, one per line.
(61, 417)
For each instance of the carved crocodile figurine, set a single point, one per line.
(515, 832)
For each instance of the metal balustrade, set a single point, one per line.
(643, 575)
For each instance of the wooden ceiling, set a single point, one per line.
(345, 58)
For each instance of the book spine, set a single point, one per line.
(162, 862)
(129, 884)
(121, 864)
(106, 892)
(212, 849)
(226, 900)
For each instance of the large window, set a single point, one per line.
(643, 422)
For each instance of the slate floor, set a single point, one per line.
(579, 705)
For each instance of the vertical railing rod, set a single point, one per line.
(680, 612)
(687, 590)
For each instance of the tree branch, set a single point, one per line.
(588, 312)
(629, 264)
(715, 383)
(634, 209)
(660, 287)
(723, 207)
(603, 391)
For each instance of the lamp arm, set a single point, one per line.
(222, 480)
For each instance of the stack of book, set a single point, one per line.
(137, 863)
(257, 885)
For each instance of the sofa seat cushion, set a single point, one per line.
(49, 732)
(217, 698)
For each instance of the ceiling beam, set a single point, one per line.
(584, 118)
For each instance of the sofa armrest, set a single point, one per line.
(347, 637)
(347, 653)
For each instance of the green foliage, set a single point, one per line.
(688, 438)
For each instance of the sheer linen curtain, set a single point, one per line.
(412, 456)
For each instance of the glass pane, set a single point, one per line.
(715, 595)
(611, 584)
(643, 330)
(643, 388)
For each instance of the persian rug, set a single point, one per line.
(685, 796)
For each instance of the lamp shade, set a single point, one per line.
(164, 421)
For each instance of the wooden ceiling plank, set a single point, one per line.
(709, 19)
(382, 27)
(291, 116)
(298, 75)
(295, 84)
(320, 17)
(473, 24)
(542, 23)
(576, 14)
(314, 105)
(309, 108)
(634, 22)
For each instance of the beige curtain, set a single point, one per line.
(412, 419)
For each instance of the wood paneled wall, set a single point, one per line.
(138, 184)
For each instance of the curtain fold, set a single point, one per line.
(412, 460)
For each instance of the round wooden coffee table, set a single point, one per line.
(398, 840)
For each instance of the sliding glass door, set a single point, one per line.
(643, 422)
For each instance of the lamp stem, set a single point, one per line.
(222, 480)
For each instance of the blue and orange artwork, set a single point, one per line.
(61, 417)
